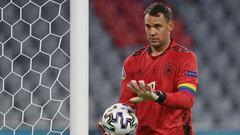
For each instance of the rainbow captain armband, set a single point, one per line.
(188, 87)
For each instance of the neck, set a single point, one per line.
(155, 51)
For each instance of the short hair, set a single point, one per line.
(156, 8)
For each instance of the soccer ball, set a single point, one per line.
(119, 119)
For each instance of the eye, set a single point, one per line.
(148, 26)
(157, 26)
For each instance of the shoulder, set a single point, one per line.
(134, 56)
(138, 52)
(183, 53)
(180, 48)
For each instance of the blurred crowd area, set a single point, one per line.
(211, 28)
(34, 67)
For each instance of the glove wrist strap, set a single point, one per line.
(161, 97)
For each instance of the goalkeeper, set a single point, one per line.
(160, 81)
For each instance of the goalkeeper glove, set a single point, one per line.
(145, 94)
(102, 129)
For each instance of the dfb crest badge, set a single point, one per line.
(169, 69)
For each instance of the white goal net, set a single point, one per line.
(34, 67)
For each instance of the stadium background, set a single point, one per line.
(34, 67)
(208, 27)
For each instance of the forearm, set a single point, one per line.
(181, 100)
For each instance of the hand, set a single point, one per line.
(100, 126)
(144, 94)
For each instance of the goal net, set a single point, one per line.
(34, 67)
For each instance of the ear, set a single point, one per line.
(170, 25)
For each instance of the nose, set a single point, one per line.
(152, 32)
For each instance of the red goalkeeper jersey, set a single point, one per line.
(175, 73)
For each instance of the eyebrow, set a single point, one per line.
(157, 25)
(154, 25)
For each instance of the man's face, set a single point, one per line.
(158, 30)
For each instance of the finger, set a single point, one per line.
(135, 85)
(100, 123)
(133, 89)
(100, 127)
(142, 85)
(136, 99)
(149, 88)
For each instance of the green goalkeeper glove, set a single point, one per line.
(145, 94)
(102, 129)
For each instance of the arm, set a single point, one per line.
(181, 99)
(186, 80)
(127, 76)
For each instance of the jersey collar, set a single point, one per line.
(172, 43)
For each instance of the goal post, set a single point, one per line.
(79, 67)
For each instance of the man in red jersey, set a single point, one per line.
(160, 81)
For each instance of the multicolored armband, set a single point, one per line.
(189, 87)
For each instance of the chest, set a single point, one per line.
(162, 70)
